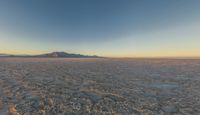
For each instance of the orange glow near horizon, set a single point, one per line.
(118, 55)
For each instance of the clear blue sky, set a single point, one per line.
(116, 28)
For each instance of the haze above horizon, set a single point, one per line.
(111, 28)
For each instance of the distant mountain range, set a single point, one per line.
(53, 55)
(4, 54)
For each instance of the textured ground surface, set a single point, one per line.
(99, 86)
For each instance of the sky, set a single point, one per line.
(112, 28)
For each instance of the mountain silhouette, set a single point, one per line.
(64, 54)
(52, 55)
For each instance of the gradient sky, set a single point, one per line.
(115, 28)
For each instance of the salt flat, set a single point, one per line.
(64, 86)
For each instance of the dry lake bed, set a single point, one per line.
(99, 86)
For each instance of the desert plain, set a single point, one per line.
(99, 86)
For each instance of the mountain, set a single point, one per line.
(3, 55)
(52, 55)
(65, 55)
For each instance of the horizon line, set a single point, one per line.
(127, 57)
